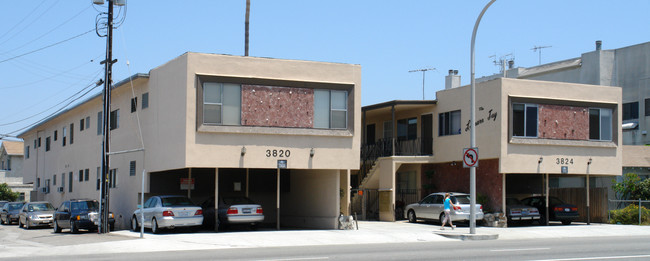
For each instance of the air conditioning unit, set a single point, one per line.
(59, 189)
(45, 189)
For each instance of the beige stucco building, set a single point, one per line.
(533, 138)
(221, 124)
(11, 168)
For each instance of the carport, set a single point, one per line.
(289, 197)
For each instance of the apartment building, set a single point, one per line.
(11, 168)
(284, 133)
(533, 138)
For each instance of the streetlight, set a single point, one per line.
(423, 71)
(472, 132)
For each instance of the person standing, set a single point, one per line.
(448, 205)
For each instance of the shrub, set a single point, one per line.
(630, 215)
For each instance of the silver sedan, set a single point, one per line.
(432, 208)
(167, 212)
(34, 214)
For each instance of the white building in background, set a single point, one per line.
(11, 168)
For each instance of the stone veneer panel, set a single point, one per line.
(563, 122)
(273, 106)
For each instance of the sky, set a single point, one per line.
(50, 52)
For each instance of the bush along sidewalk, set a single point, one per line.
(630, 215)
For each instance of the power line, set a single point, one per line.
(22, 20)
(33, 21)
(48, 32)
(45, 47)
(56, 74)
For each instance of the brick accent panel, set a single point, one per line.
(444, 177)
(273, 106)
(563, 122)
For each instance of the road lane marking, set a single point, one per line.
(519, 249)
(594, 258)
(299, 258)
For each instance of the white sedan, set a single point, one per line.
(167, 212)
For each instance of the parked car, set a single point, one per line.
(78, 214)
(10, 211)
(3, 203)
(560, 211)
(167, 212)
(35, 214)
(432, 207)
(516, 211)
(233, 210)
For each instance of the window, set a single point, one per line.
(8, 163)
(145, 100)
(35, 143)
(39, 142)
(134, 104)
(524, 120)
(600, 124)
(71, 133)
(449, 123)
(63, 180)
(82, 124)
(407, 129)
(27, 152)
(132, 168)
(54, 180)
(630, 111)
(70, 181)
(100, 123)
(88, 122)
(115, 119)
(47, 143)
(81, 175)
(647, 107)
(56, 134)
(221, 103)
(98, 175)
(330, 109)
(86, 174)
(38, 182)
(388, 129)
(112, 178)
(64, 136)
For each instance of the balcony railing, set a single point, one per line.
(392, 147)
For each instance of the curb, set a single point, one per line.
(463, 236)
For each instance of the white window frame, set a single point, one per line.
(526, 106)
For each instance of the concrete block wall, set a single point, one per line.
(272, 106)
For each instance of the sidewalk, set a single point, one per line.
(369, 232)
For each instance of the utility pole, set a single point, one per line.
(104, 202)
(539, 48)
(248, 13)
(423, 71)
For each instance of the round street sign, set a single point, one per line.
(470, 157)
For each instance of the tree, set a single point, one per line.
(632, 187)
(7, 194)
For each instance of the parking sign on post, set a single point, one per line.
(470, 157)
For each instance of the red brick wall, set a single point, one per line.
(273, 106)
(446, 177)
(563, 122)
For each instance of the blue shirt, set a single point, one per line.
(448, 203)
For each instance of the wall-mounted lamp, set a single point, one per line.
(243, 151)
(453, 163)
(589, 162)
(311, 153)
(540, 160)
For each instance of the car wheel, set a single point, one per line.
(441, 217)
(27, 224)
(73, 228)
(2, 221)
(134, 224)
(57, 229)
(154, 226)
(542, 220)
(412, 217)
(20, 224)
(566, 222)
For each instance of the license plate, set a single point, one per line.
(567, 210)
(246, 210)
(184, 214)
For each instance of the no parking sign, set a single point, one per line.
(470, 157)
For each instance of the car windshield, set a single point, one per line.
(85, 205)
(40, 207)
(460, 199)
(176, 201)
(237, 201)
(14, 206)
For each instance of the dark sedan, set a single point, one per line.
(560, 211)
(78, 214)
(10, 212)
(518, 212)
